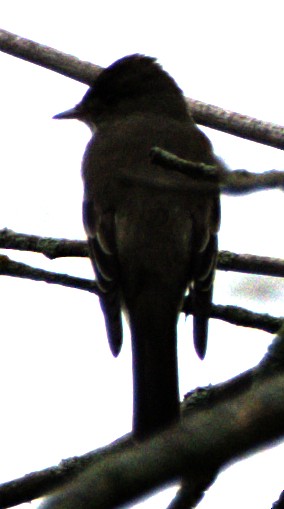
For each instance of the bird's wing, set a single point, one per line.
(100, 229)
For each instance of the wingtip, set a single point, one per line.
(114, 334)
(115, 345)
(200, 332)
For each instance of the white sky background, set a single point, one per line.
(62, 392)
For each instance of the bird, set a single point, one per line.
(150, 244)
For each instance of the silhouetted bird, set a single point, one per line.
(148, 245)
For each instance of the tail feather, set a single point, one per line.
(154, 356)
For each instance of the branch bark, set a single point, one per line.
(240, 316)
(225, 424)
(206, 441)
(48, 246)
(204, 176)
(55, 248)
(49, 58)
(17, 269)
(232, 314)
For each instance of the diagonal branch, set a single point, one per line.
(240, 316)
(245, 414)
(36, 484)
(252, 417)
(17, 269)
(49, 58)
(243, 126)
(206, 114)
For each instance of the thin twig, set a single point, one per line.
(48, 246)
(239, 316)
(232, 314)
(245, 318)
(250, 264)
(237, 182)
(17, 269)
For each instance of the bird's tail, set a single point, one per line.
(154, 357)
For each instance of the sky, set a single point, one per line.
(64, 394)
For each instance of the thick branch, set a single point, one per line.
(242, 416)
(205, 114)
(36, 484)
(245, 424)
(219, 435)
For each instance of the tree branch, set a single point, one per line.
(55, 248)
(252, 418)
(36, 484)
(17, 269)
(250, 264)
(49, 58)
(239, 316)
(243, 126)
(243, 415)
(232, 314)
(237, 182)
(48, 246)
(206, 114)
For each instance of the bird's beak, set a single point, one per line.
(72, 113)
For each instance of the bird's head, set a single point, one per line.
(133, 84)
